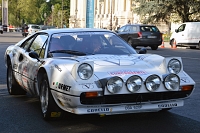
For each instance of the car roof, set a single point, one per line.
(141, 24)
(52, 31)
(33, 25)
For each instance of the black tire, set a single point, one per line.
(199, 45)
(165, 110)
(130, 42)
(12, 85)
(155, 47)
(1, 32)
(192, 47)
(50, 109)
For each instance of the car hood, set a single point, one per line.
(116, 65)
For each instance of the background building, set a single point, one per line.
(108, 14)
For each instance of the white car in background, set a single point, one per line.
(1, 29)
(32, 28)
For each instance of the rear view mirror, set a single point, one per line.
(34, 55)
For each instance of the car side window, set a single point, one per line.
(39, 45)
(181, 28)
(133, 28)
(128, 28)
(27, 43)
(122, 29)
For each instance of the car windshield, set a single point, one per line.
(35, 27)
(149, 28)
(88, 43)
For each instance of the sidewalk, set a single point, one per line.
(166, 45)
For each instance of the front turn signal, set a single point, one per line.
(187, 88)
(91, 94)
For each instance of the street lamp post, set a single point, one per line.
(101, 4)
(62, 16)
(75, 19)
(132, 10)
(52, 8)
(111, 15)
(45, 15)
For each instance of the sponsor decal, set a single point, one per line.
(167, 105)
(25, 71)
(99, 110)
(15, 66)
(126, 72)
(133, 107)
(57, 67)
(185, 80)
(142, 57)
(62, 86)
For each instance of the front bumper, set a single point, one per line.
(127, 108)
(73, 104)
(147, 42)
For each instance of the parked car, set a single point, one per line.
(187, 35)
(1, 29)
(32, 28)
(46, 27)
(141, 35)
(93, 71)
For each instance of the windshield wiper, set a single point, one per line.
(72, 52)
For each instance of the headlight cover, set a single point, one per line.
(134, 83)
(174, 66)
(152, 83)
(114, 84)
(85, 71)
(172, 82)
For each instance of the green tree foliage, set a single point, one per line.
(38, 12)
(152, 11)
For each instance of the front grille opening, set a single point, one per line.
(134, 98)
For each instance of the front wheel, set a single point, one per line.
(50, 109)
(192, 47)
(199, 45)
(12, 85)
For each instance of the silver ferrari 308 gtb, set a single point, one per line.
(93, 71)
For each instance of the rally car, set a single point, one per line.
(68, 74)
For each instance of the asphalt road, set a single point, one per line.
(21, 114)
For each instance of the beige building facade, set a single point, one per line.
(107, 14)
(119, 11)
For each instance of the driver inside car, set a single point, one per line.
(96, 44)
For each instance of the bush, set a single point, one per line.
(166, 37)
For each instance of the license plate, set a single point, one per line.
(133, 107)
(152, 37)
